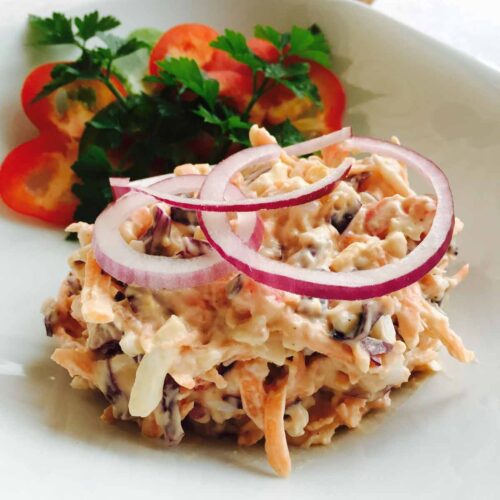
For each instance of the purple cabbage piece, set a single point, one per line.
(376, 348)
(186, 217)
(115, 395)
(154, 236)
(109, 349)
(234, 286)
(170, 417)
(370, 314)
(193, 247)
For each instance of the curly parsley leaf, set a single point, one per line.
(235, 45)
(309, 44)
(93, 64)
(90, 24)
(279, 40)
(55, 30)
(230, 124)
(286, 133)
(94, 169)
(186, 72)
(120, 47)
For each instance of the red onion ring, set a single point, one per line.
(297, 197)
(122, 185)
(124, 263)
(356, 285)
(319, 143)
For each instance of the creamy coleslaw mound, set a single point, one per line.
(239, 357)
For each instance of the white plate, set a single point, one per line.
(442, 442)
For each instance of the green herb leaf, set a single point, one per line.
(308, 45)
(94, 191)
(61, 74)
(90, 24)
(55, 30)
(189, 75)
(235, 45)
(286, 134)
(231, 125)
(270, 34)
(120, 47)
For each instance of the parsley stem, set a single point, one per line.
(256, 95)
(114, 91)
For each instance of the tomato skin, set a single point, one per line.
(264, 49)
(222, 61)
(184, 40)
(44, 113)
(332, 95)
(234, 87)
(36, 178)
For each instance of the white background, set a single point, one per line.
(472, 26)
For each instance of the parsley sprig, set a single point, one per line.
(152, 129)
(301, 43)
(94, 63)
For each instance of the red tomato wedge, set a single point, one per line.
(222, 61)
(234, 87)
(184, 40)
(36, 178)
(280, 103)
(63, 110)
(264, 49)
(332, 95)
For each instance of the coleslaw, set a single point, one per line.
(238, 357)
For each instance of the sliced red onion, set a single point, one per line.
(297, 197)
(124, 263)
(356, 285)
(293, 198)
(122, 185)
(319, 143)
(119, 186)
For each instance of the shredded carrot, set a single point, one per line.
(97, 303)
(438, 327)
(107, 415)
(274, 429)
(79, 363)
(252, 391)
(149, 427)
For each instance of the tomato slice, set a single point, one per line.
(280, 104)
(234, 87)
(65, 110)
(264, 49)
(222, 61)
(184, 40)
(332, 95)
(36, 178)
